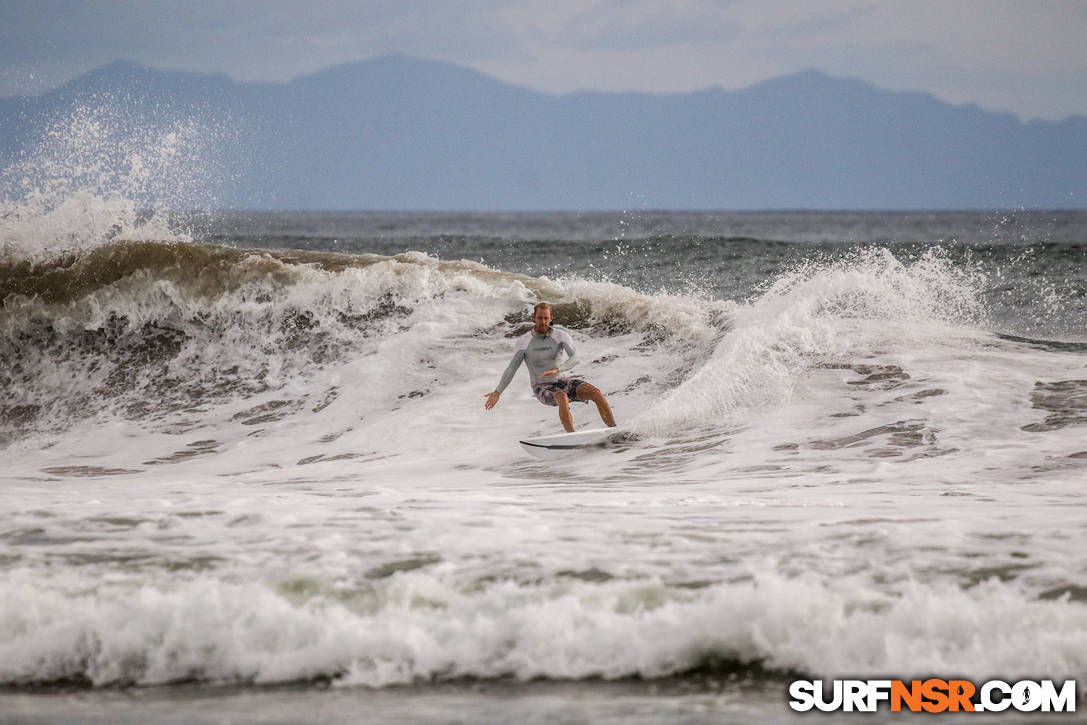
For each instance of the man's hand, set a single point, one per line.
(549, 373)
(492, 400)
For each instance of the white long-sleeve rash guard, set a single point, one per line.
(540, 353)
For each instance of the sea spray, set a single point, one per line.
(110, 170)
(820, 311)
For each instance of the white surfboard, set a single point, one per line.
(563, 444)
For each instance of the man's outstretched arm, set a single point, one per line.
(507, 376)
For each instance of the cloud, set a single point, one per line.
(250, 40)
(618, 25)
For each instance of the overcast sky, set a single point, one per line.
(1009, 55)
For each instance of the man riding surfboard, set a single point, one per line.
(540, 349)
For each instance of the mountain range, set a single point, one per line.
(397, 132)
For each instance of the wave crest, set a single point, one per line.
(859, 305)
(414, 627)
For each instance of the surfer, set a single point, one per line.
(540, 349)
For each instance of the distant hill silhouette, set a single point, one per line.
(402, 133)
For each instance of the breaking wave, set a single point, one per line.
(415, 627)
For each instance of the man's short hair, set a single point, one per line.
(541, 306)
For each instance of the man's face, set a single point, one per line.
(542, 320)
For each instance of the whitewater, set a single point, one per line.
(246, 461)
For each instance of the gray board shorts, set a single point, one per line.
(545, 392)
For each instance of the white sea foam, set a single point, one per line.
(417, 627)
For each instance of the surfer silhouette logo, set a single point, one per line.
(541, 349)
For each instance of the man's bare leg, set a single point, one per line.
(585, 391)
(564, 412)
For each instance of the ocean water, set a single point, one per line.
(247, 475)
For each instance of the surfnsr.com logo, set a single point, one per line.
(932, 695)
